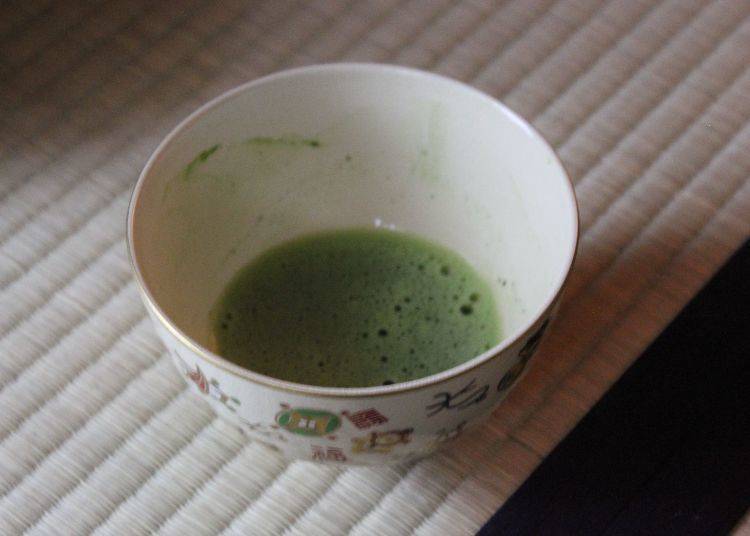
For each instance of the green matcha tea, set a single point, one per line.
(355, 308)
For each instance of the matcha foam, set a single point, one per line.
(355, 308)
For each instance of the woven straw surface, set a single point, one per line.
(647, 103)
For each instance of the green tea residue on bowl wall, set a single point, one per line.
(283, 141)
(202, 157)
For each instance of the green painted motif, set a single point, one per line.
(308, 422)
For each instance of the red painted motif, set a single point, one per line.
(199, 379)
(366, 418)
(330, 454)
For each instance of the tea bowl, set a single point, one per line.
(339, 146)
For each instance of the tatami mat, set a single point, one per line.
(647, 102)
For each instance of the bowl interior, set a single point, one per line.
(351, 146)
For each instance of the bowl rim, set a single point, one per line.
(348, 392)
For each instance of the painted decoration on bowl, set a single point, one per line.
(510, 377)
(269, 432)
(328, 454)
(533, 342)
(205, 386)
(307, 422)
(381, 442)
(448, 434)
(465, 397)
(366, 418)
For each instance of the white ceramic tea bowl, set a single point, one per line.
(341, 146)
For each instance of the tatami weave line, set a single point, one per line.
(70, 110)
(647, 101)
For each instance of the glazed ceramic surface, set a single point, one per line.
(341, 146)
